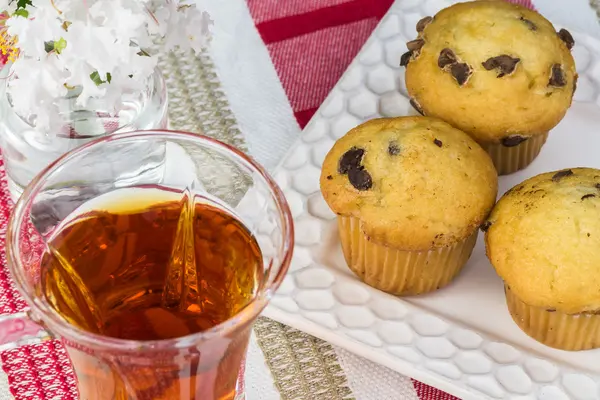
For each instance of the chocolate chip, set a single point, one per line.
(530, 24)
(566, 37)
(513, 140)
(561, 174)
(597, 185)
(461, 72)
(447, 57)
(587, 196)
(437, 142)
(557, 76)
(329, 177)
(504, 63)
(393, 149)
(416, 106)
(423, 22)
(415, 45)
(551, 310)
(360, 178)
(485, 226)
(405, 59)
(350, 164)
(351, 159)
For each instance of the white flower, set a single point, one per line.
(162, 16)
(96, 46)
(80, 73)
(183, 25)
(40, 81)
(140, 66)
(197, 29)
(93, 44)
(41, 26)
(121, 19)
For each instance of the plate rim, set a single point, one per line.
(364, 350)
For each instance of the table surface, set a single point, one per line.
(270, 65)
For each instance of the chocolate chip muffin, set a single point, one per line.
(497, 71)
(410, 194)
(543, 238)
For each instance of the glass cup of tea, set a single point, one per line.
(151, 273)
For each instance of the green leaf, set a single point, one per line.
(48, 46)
(95, 77)
(21, 12)
(60, 45)
(143, 53)
(24, 3)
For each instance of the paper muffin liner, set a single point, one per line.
(398, 271)
(512, 159)
(554, 328)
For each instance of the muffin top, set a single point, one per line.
(543, 238)
(416, 183)
(497, 71)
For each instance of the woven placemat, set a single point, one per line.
(302, 366)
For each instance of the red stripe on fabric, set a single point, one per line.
(265, 10)
(40, 372)
(300, 24)
(310, 65)
(35, 372)
(425, 392)
(304, 116)
(10, 299)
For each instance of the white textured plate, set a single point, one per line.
(461, 338)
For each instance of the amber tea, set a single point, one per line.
(153, 265)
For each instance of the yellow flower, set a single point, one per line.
(7, 46)
(8, 49)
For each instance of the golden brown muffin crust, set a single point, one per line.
(543, 238)
(524, 92)
(430, 184)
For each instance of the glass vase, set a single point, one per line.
(27, 150)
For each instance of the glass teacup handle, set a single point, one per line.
(20, 329)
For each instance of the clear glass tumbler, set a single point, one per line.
(201, 366)
(27, 150)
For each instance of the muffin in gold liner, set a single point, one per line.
(555, 328)
(467, 68)
(543, 239)
(397, 271)
(410, 194)
(514, 158)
